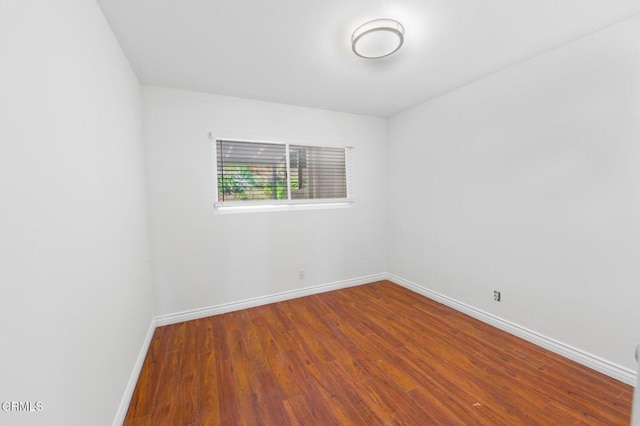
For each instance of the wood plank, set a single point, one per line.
(209, 392)
(165, 407)
(316, 410)
(188, 384)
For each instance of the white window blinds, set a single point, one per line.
(267, 173)
(317, 172)
(251, 171)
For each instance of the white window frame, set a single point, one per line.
(273, 205)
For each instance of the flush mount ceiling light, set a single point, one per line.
(377, 38)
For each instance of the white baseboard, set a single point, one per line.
(133, 380)
(263, 300)
(601, 365)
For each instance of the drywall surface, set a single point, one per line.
(75, 279)
(528, 182)
(203, 258)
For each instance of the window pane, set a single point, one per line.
(317, 172)
(251, 171)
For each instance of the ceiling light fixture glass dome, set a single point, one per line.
(377, 38)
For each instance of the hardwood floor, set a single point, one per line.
(367, 355)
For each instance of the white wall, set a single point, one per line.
(528, 182)
(75, 291)
(201, 258)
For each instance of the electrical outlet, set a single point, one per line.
(496, 295)
(301, 274)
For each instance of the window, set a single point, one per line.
(277, 173)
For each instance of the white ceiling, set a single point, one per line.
(298, 51)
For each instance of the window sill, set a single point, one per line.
(248, 207)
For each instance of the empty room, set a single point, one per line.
(286, 212)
